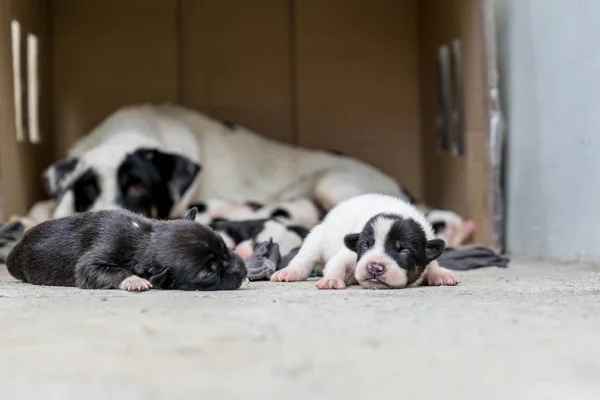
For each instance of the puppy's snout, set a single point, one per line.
(239, 268)
(375, 269)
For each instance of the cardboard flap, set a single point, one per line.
(455, 111)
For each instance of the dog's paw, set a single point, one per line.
(285, 275)
(135, 283)
(442, 277)
(327, 283)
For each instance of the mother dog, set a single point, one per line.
(159, 159)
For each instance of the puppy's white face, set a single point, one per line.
(392, 252)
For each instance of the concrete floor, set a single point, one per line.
(531, 331)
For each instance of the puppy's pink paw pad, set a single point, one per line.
(284, 276)
(135, 283)
(325, 284)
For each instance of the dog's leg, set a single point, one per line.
(339, 271)
(96, 275)
(439, 276)
(302, 264)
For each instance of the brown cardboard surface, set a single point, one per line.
(22, 163)
(458, 183)
(107, 54)
(357, 82)
(236, 62)
(356, 76)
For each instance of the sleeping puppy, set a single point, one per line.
(215, 208)
(450, 227)
(295, 212)
(374, 240)
(244, 235)
(299, 211)
(121, 250)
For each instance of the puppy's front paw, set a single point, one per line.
(135, 283)
(285, 275)
(327, 283)
(442, 277)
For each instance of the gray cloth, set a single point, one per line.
(264, 261)
(10, 234)
(471, 257)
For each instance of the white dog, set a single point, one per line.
(374, 240)
(157, 160)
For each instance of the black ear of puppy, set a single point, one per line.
(55, 174)
(162, 280)
(433, 249)
(351, 241)
(191, 215)
(179, 172)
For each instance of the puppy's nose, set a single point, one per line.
(375, 269)
(241, 270)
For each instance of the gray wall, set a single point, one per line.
(549, 55)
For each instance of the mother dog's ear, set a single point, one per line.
(56, 174)
(177, 171)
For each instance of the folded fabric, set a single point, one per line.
(264, 261)
(10, 234)
(471, 257)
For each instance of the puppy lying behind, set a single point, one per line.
(375, 240)
(243, 236)
(117, 249)
(299, 211)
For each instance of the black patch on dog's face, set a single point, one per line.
(86, 189)
(193, 257)
(405, 243)
(280, 213)
(55, 175)
(152, 180)
(239, 231)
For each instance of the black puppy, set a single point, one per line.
(117, 249)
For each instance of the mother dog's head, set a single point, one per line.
(145, 181)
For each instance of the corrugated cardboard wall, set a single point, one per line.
(356, 76)
(22, 162)
(333, 74)
(457, 183)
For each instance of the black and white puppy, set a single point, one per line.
(215, 208)
(243, 236)
(117, 249)
(375, 240)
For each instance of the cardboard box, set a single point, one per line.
(367, 77)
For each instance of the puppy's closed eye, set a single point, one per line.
(137, 189)
(213, 267)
